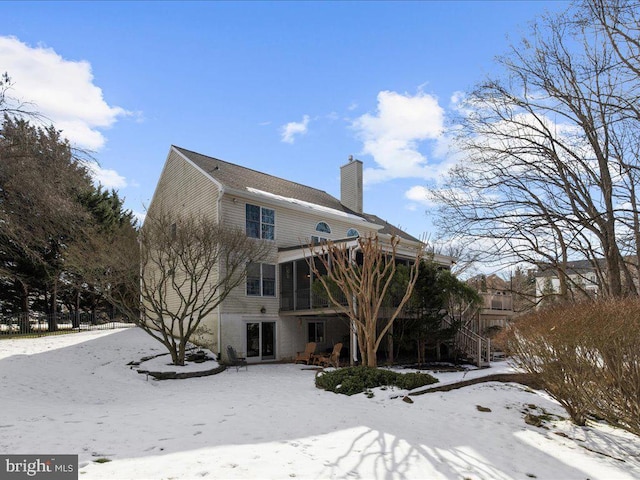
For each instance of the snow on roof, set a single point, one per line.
(308, 205)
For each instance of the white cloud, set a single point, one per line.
(106, 177)
(292, 129)
(393, 134)
(457, 98)
(61, 90)
(419, 194)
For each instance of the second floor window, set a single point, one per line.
(261, 280)
(261, 222)
(323, 227)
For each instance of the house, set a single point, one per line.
(581, 275)
(277, 312)
(497, 308)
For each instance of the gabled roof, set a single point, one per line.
(577, 267)
(236, 177)
(491, 282)
(240, 178)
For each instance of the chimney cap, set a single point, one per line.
(351, 158)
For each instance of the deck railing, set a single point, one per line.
(476, 347)
(306, 299)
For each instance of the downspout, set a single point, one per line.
(220, 194)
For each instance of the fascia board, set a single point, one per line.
(186, 159)
(190, 162)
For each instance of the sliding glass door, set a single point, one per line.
(261, 340)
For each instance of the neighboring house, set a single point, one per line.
(497, 309)
(582, 280)
(276, 313)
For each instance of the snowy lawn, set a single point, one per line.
(74, 394)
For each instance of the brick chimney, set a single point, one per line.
(351, 185)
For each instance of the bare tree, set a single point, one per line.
(551, 158)
(620, 21)
(188, 266)
(12, 106)
(364, 282)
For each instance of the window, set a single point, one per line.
(316, 332)
(261, 280)
(261, 222)
(315, 240)
(323, 227)
(352, 232)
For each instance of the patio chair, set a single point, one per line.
(333, 359)
(234, 360)
(307, 355)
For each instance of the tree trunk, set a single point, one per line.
(76, 316)
(372, 360)
(53, 318)
(390, 345)
(25, 325)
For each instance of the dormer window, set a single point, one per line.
(323, 227)
(352, 232)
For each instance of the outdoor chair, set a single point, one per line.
(333, 359)
(307, 355)
(234, 360)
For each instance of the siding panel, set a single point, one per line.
(185, 190)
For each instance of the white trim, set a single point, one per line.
(188, 160)
(247, 319)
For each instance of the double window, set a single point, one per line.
(261, 222)
(315, 240)
(261, 280)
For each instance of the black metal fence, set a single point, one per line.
(40, 324)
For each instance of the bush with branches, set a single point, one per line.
(587, 357)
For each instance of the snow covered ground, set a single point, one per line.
(74, 394)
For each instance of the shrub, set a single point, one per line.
(409, 381)
(352, 380)
(587, 357)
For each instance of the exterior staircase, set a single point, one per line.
(475, 347)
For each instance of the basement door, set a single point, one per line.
(261, 341)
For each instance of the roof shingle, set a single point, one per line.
(237, 177)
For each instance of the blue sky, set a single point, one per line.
(288, 88)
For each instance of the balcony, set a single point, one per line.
(304, 299)
(497, 303)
